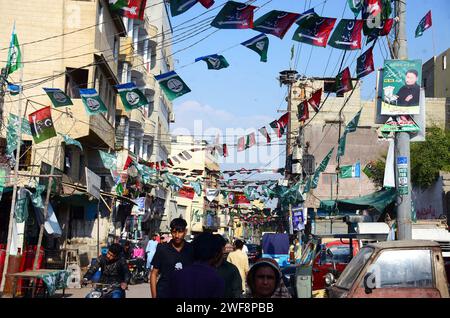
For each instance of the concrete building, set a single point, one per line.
(204, 167)
(83, 44)
(436, 76)
(363, 145)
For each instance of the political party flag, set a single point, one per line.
(187, 154)
(197, 186)
(109, 160)
(313, 29)
(370, 11)
(355, 6)
(264, 132)
(364, 64)
(170, 162)
(259, 44)
(314, 101)
(211, 194)
(12, 134)
(350, 171)
(70, 141)
(132, 9)
(303, 111)
(14, 89)
(174, 158)
(14, 120)
(347, 35)
(206, 3)
(92, 101)
(351, 127)
(186, 192)
(353, 124)
(246, 142)
(172, 85)
(214, 61)
(4, 173)
(225, 150)
(279, 125)
(178, 7)
(369, 169)
(276, 22)
(384, 29)
(41, 124)
(234, 15)
(174, 181)
(14, 61)
(58, 97)
(424, 24)
(131, 96)
(344, 82)
(323, 165)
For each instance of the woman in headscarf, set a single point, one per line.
(264, 280)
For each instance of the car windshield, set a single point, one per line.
(341, 254)
(353, 269)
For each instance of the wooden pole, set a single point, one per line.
(16, 177)
(47, 200)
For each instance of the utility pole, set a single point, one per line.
(402, 139)
(289, 77)
(3, 76)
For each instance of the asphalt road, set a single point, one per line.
(134, 291)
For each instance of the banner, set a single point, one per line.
(172, 85)
(41, 124)
(131, 96)
(351, 171)
(58, 97)
(259, 44)
(234, 15)
(401, 87)
(389, 169)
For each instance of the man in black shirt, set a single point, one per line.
(229, 273)
(409, 94)
(170, 257)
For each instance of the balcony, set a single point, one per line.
(138, 71)
(137, 117)
(149, 127)
(126, 52)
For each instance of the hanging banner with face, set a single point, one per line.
(401, 87)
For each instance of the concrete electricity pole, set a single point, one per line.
(289, 77)
(402, 139)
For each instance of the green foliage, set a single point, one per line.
(378, 172)
(430, 157)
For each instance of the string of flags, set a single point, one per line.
(131, 9)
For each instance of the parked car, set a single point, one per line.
(333, 258)
(413, 269)
(254, 252)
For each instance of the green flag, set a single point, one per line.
(355, 6)
(14, 61)
(36, 197)
(369, 169)
(174, 181)
(353, 124)
(323, 165)
(118, 4)
(307, 185)
(109, 160)
(41, 124)
(214, 61)
(58, 97)
(350, 171)
(131, 96)
(172, 85)
(70, 141)
(4, 173)
(259, 44)
(197, 186)
(92, 101)
(341, 146)
(351, 127)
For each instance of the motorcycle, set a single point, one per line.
(138, 272)
(103, 290)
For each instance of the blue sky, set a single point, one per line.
(247, 94)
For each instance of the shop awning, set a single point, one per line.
(378, 200)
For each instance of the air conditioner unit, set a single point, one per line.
(172, 117)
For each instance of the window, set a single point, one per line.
(444, 62)
(403, 269)
(341, 254)
(75, 79)
(116, 49)
(353, 269)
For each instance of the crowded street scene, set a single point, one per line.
(240, 151)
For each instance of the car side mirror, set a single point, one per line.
(329, 253)
(369, 283)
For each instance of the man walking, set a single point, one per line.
(229, 272)
(169, 257)
(239, 259)
(150, 249)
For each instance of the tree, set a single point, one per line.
(427, 159)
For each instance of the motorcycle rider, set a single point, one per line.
(114, 270)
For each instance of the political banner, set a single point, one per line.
(401, 87)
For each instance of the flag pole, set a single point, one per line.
(16, 177)
(434, 42)
(47, 200)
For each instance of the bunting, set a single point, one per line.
(279, 125)
(424, 24)
(303, 111)
(259, 44)
(313, 29)
(364, 64)
(323, 165)
(276, 22)
(58, 97)
(347, 35)
(234, 15)
(214, 61)
(344, 82)
(315, 99)
(264, 132)
(172, 85)
(92, 101)
(246, 142)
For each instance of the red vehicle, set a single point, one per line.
(333, 258)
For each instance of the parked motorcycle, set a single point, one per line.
(139, 274)
(103, 290)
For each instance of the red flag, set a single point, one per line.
(280, 124)
(163, 165)
(264, 132)
(314, 101)
(372, 7)
(387, 27)
(303, 111)
(186, 192)
(169, 162)
(157, 166)
(206, 3)
(246, 142)
(225, 150)
(135, 9)
(128, 162)
(344, 82)
(152, 165)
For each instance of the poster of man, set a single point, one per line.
(401, 87)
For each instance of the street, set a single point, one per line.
(134, 291)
